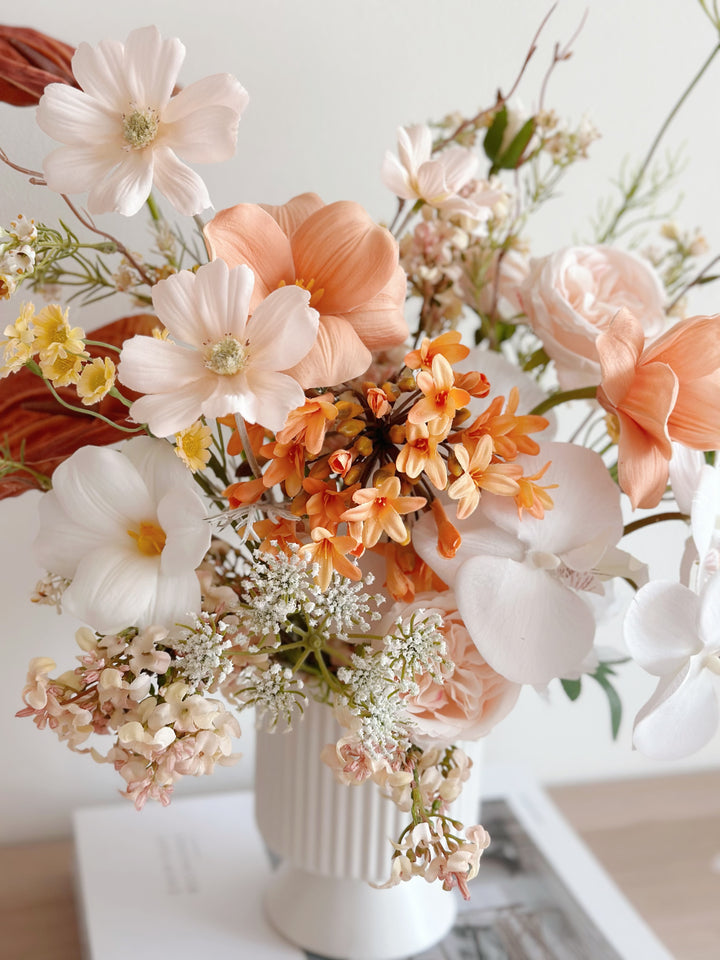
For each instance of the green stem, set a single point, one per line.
(114, 392)
(88, 412)
(99, 343)
(564, 396)
(639, 176)
(656, 518)
(247, 449)
(153, 208)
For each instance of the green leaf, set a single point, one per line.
(572, 688)
(601, 676)
(494, 136)
(510, 159)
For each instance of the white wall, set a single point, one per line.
(329, 83)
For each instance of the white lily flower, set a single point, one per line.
(128, 529)
(674, 634)
(124, 131)
(519, 583)
(223, 362)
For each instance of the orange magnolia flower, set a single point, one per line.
(509, 432)
(380, 509)
(480, 472)
(347, 261)
(287, 464)
(667, 391)
(447, 344)
(308, 423)
(442, 398)
(420, 452)
(406, 573)
(329, 552)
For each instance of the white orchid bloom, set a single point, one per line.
(124, 131)
(128, 529)
(222, 362)
(519, 583)
(416, 175)
(674, 634)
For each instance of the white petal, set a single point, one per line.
(661, 627)
(201, 122)
(680, 717)
(710, 615)
(72, 117)
(63, 542)
(149, 365)
(414, 145)
(282, 329)
(113, 588)
(705, 508)
(431, 182)
(184, 188)
(182, 515)
(168, 413)
(460, 165)
(686, 466)
(73, 169)
(395, 178)
(159, 466)
(219, 90)
(174, 598)
(126, 188)
(528, 626)
(100, 71)
(152, 65)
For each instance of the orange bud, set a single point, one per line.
(448, 537)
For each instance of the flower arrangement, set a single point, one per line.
(286, 490)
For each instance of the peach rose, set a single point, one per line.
(473, 699)
(572, 295)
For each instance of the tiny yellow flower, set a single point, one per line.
(61, 371)
(96, 380)
(193, 445)
(18, 348)
(54, 336)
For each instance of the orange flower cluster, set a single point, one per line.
(355, 467)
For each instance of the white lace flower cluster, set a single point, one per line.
(17, 254)
(275, 692)
(201, 647)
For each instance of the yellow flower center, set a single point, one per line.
(315, 295)
(150, 539)
(140, 127)
(227, 356)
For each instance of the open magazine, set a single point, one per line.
(191, 877)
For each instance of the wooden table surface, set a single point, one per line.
(658, 838)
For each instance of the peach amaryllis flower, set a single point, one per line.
(337, 252)
(442, 398)
(223, 362)
(479, 472)
(124, 131)
(669, 390)
(329, 551)
(380, 509)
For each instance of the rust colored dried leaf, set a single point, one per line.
(50, 433)
(29, 61)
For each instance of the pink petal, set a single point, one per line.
(73, 169)
(169, 413)
(338, 355)
(380, 322)
(184, 188)
(201, 122)
(414, 145)
(271, 398)
(149, 365)
(395, 177)
(526, 625)
(247, 234)
(100, 71)
(152, 65)
(72, 117)
(460, 166)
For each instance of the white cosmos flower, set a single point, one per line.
(674, 634)
(519, 583)
(127, 527)
(415, 174)
(124, 130)
(223, 362)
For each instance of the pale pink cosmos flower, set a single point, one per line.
(124, 131)
(222, 362)
(416, 175)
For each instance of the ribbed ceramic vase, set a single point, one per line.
(333, 842)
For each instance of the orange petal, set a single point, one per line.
(650, 401)
(247, 234)
(380, 322)
(619, 349)
(642, 467)
(338, 355)
(347, 254)
(290, 215)
(695, 418)
(691, 348)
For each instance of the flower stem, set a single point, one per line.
(564, 396)
(656, 518)
(247, 449)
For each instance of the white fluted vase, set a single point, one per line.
(334, 841)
